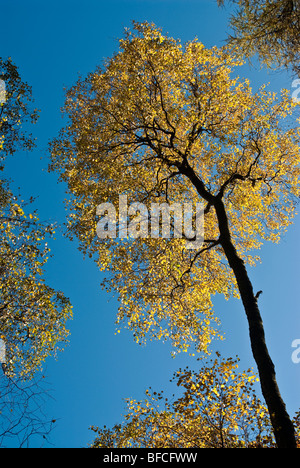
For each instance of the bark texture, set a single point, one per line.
(281, 422)
(282, 425)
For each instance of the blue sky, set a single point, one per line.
(53, 43)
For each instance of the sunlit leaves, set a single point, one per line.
(267, 28)
(33, 315)
(135, 125)
(217, 408)
(15, 111)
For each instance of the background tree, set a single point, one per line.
(268, 28)
(33, 316)
(217, 409)
(165, 122)
(16, 110)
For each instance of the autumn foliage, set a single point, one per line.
(217, 407)
(33, 315)
(157, 110)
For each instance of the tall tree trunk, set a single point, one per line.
(282, 425)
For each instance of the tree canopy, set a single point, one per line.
(135, 127)
(268, 29)
(167, 122)
(217, 408)
(33, 315)
(16, 110)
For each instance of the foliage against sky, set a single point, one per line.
(216, 408)
(33, 315)
(269, 29)
(134, 126)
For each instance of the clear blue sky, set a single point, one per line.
(52, 43)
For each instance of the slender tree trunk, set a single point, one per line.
(282, 425)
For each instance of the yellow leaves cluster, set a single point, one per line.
(267, 29)
(33, 316)
(218, 409)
